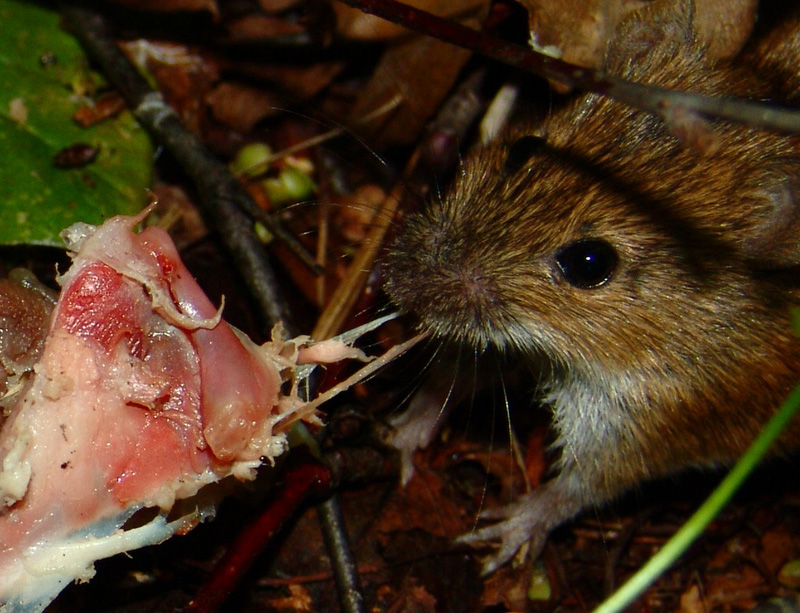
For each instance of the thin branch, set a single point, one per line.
(649, 98)
(300, 483)
(343, 563)
(453, 120)
(224, 201)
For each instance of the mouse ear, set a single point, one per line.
(661, 29)
(772, 235)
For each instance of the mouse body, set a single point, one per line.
(653, 275)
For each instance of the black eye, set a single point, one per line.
(587, 263)
(521, 151)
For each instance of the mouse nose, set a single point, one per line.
(478, 290)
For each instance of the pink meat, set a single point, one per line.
(143, 395)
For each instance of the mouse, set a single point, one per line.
(654, 275)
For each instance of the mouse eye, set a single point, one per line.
(587, 263)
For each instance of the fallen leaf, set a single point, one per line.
(277, 6)
(44, 70)
(298, 601)
(241, 107)
(254, 28)
(419, 72)
(358, 25)
(171, 6)
(578, 31)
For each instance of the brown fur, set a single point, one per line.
(683, 355)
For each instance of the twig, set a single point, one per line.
(338, 308)
(345, 570)
(452, 121)
(333, 133)
(646, 97)
(301, 482)
(223, 199)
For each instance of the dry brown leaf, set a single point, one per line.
(692, 601)
(277, 6)
(419, 72)
(240, 106)
(535, 456)
(177, 213)
(298, 601)
(579, 30)
(575, 30)
(355, 212)
(414, 598)
(255, 28)
(183, 76)
(107, 105)
(424, 504)
(507, 587)
(357, 25)
(407, 597)
(416, 71)
(741, 586)
(302, 82)
(778, 546)
(734, 576)
(172, 6)
(724, 25)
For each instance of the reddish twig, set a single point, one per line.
(656, 100)
(301, 483)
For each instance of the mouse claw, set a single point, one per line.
(517, 526)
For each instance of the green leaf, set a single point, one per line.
(45, 73)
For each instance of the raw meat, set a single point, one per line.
(142, 395)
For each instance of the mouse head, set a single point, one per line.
(599, 239)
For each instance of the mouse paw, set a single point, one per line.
(515, 525)
(530, 518)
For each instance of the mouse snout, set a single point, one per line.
(446, 286)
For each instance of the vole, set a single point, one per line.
(655, 278)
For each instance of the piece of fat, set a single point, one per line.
(142, 396)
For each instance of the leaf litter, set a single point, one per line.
(232, 84)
